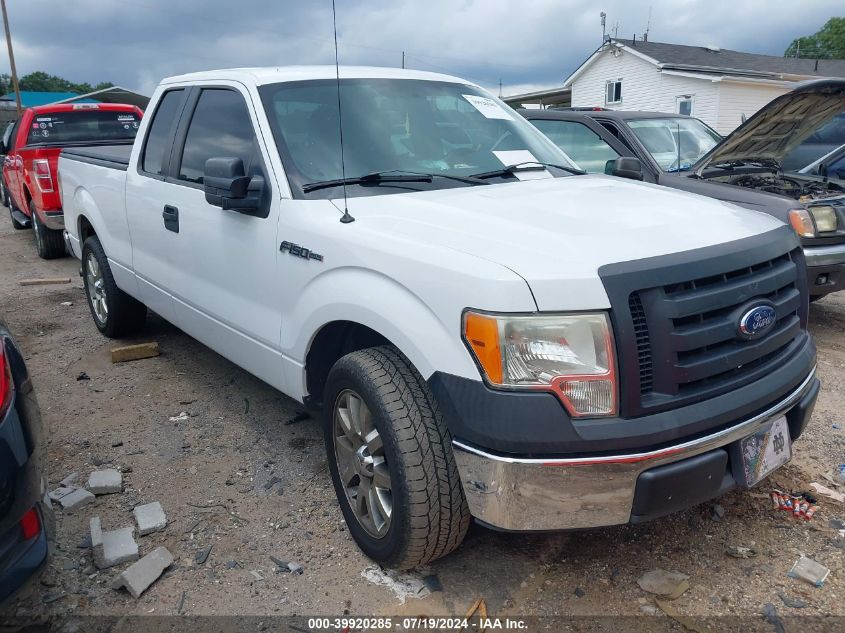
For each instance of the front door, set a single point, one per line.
(223, 263)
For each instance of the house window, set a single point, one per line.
(683, 104)
(613, 92)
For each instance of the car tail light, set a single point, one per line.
(41, 167)
(6, 384)
(30, 524)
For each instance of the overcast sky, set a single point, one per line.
(526, 44)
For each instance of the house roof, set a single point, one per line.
(30, 98)
(725, 60)
(113, 94)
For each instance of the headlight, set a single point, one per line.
(825, 218)
(801, 221)
(570, 355)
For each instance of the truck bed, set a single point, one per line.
(111, 156)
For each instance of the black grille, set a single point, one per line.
(677, 336)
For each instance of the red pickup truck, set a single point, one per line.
(32, 155)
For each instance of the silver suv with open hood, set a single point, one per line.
(752, 158)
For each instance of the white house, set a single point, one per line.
(717, 86)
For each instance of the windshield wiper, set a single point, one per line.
(390, 175)
(527, 165)
(375, 178)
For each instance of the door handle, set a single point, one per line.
(171, 218)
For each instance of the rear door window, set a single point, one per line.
(82, 126)
(160, 136)
(220, 126)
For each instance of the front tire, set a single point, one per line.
(49, 243)
(391, 461)
(115, 313)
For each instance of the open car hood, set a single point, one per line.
(782, 125)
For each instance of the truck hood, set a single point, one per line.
(782, 125)
(556, 233)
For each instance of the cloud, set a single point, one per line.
(525, 45)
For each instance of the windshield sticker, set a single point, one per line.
(488, 107)
(126, 117)
(43, 118)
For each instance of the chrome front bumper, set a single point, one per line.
(824, 255)
(524, 494)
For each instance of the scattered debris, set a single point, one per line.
(105, 482)
(232, 564)
(479, 607)
(772, 617)
(718, 513)
(69, 480)
(134, 352)
(839, 475)
(432, 581)
(181, 604)
(810, 571)
(47, 598)
(47, 281)
(667, 584)
(738, 551)
(75, 499)
(60, 492)
(67, 304)
(295, 568)
(83, 376)
(179, 418)
(118, 444)
(684, 620)
(202, 555)
(114, 547)
(827, 492)
(150, 518)
(403, 585)
(299, 416)
(257, 574)
(837, 524)
(283, 567)
(140, 575)
(794, 603)
(579, 592)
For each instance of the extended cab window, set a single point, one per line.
(585, 148)
(160, 135)
(220, 126)
(83, 126)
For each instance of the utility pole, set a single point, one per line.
(500, 88)
(11, 56)
(403, 54)
(603, 17)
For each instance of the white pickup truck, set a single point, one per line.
(486, 331)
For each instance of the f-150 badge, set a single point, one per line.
(299, 251)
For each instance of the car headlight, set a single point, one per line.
(570, 355)
(801, 221)
(825, 218)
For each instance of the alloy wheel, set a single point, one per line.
(96, 288)
(361, 463)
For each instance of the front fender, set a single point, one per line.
(384, 305)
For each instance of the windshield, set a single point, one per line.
(397, 125)
(83, 126)
(661, 138)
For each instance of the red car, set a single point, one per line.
(32, 156)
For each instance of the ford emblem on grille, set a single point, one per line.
(756, 321)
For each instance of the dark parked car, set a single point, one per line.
(24, 510)
(744, 168)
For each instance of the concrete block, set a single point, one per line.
(134, 352)
(62, 491)
(96, 528)
(116, 547)
(104, 482)
(76, 499)
(139, 576)
(150, 518)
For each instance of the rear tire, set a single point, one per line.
(49, 243)
(428, 515)
(115, 313)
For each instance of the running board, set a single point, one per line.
(20, 218)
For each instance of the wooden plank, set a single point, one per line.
(44, 282)
(134, 352)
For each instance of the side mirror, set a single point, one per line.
(627, 167)
(226, 186)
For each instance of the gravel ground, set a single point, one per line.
(244, 475)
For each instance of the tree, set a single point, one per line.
(827, 43)
(40, 81)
